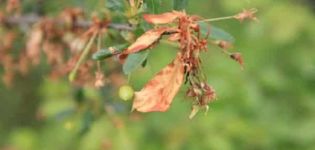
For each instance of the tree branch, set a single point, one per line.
(32, 19)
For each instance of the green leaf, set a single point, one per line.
(144, 63)
(180, 4)
(106, 53)
(215, 32)
(134, 61)
(219, 34)
(102, 54)
(115, 5)
(204, 29)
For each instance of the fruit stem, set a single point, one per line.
(84, 54)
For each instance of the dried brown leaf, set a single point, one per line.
(161, 18)
(145, 40)
(159, 92)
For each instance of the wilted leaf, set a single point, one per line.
(134, 61)
(161, 18)
(145, 41)
(180, 4)
(159, 92)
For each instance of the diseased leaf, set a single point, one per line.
(145, 41)
(134, 61)
(161, 18)
(158, 93)
(215, 32)
(180, 4)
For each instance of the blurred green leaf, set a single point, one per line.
(79, 95)
(216, 33)
(219, 34)
(115, 5)
(65, 114)
(87, 120)
(144, 63)
(134, 61)
(180, 4)
(204, 28)
(102, 54)
(153, 6)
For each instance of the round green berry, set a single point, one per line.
(126, 92)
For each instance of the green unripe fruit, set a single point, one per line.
(126, 92)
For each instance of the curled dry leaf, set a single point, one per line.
(159, 92)
(161, 18)
(145, 40)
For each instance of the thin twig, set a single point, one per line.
(217, 19)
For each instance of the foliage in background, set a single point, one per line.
(267, 106)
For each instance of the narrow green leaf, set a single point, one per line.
(144, 63)
(134, 61)
(216, 33)
(106, 53)
(102, 54)
(180, 4)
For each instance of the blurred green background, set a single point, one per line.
(269, 105)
